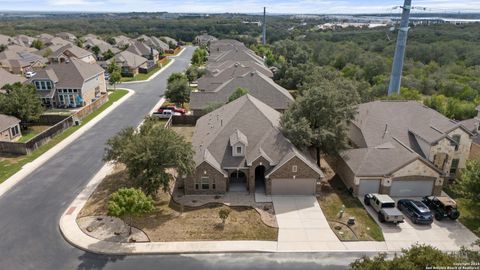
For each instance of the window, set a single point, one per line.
(37, 85)
(49, 85)
(294, 168)
(213, 184)
(205, 182)
(239, 149)
(456, 138)
(43, 85)
(454, 167)
(14, 131)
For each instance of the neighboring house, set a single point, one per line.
(204, 39)
(9, 78)
(402, 148)
(240, 147)
(22, 40)
(9, 128)
(130, 63)
(153, 42)
(169, 40)
(144, 50)
(45, 38)
(122, 41)
(18, 61)
(257, 84)
(70, 84)
(5, 40)
(474, 126)
(67, 36)
(61, 54)
(58, 41)
(102, 46)
(216, 76)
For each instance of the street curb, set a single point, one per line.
(31, 166)
(153, 75)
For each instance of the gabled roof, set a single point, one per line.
(72, 49)
(5, 40)
(257, 84)
(141, 48)
(129, 59)
(69, 75)
(122, 41)
(237, 136)
(7, 121)
(102, 45)
(217, 75)
(257, 121)
(169, 39)
(66, 35)
(9, 78)
(153, 42)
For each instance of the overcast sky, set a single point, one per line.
(242, 6)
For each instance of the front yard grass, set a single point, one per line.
(332, 198)
(31, 132)
(9, 164)
(143, 76)
(185, 130)
(169, 223)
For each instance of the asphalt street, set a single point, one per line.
(30, 211)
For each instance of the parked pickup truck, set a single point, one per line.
(385, 207)
(165, 114)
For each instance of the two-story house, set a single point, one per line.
(240, 147)
(402, 148)
(71, 84)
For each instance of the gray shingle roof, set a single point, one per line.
(9, 78)
(257, 84)
(258, 123)
(7, 121)
(69, 75)
(141, 49)
(73, 49)
(129, 59)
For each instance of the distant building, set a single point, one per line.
(9, 128)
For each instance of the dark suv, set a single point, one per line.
(416, 211)
(442, 207)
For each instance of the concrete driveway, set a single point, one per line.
(446, 235)
(302, 225)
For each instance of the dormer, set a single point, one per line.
(238, 142)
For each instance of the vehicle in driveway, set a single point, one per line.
(442, 207)
(416, 211)
(385, 207)
(174, 108)
(165, 114)
(30, 74)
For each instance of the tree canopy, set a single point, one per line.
(320, 117)
(199, 56)
(149, 152)
(467, 186)
(22, 102)
(239, 92)
(178, 88)
(126, 203)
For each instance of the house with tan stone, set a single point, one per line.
(70, 84)
(239, 147)
(402, 148)
(64, 53)
(473, 125)
(9, 78)
(9, 128)
(130, 63)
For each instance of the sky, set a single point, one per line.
(237, 6)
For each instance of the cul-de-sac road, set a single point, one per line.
(30, 211)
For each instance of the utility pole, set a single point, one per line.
(397, 66)
(264, 26)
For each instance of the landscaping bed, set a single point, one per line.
(169, 222)
(10, 164)
(143, 76)
(333, 196)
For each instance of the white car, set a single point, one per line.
(165, 114)
(30, 74)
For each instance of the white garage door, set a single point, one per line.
(411, 188)
(368, 186)
(293, 186)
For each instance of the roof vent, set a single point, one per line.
(252, 73)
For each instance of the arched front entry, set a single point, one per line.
(260, 179)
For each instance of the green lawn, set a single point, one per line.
(9, 165)
(142, 76)
(31, 132)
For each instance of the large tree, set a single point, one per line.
(22, 102)
(127, 203)
(199, 56)
(239, 92)
(178, 88)
(320, 117)
(467, 186)
(115, 73)
(149, 152)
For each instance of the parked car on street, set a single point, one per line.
(442, 207)
(30, 74)
(417, 211)
(165, 114)
(385, 207)
(174, 108)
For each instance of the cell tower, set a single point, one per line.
(264, 25)
(397, 66)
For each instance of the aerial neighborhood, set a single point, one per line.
(230, 144)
